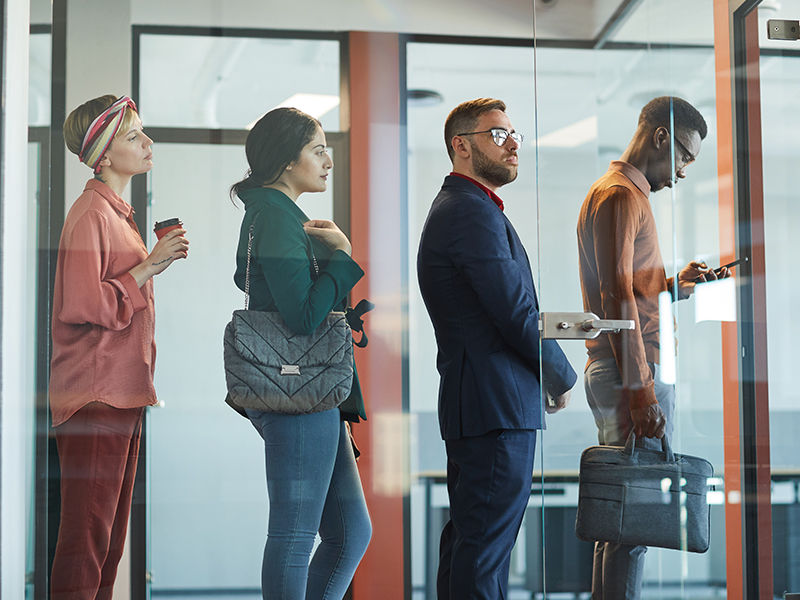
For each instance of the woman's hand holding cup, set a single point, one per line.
(172, 246)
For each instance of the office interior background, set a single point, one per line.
(381, 75)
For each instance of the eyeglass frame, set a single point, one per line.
(514, 135)
(685, 150)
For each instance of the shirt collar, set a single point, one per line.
(117, 203)
(635, 175)
(273, 196)
(495, 198)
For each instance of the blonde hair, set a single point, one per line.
(77, 122)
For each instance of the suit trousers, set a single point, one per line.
(489, 484)
(618, 568)
(98, 448)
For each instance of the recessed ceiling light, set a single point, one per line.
(420, 97)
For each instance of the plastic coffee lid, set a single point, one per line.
(167, 223)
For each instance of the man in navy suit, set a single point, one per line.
(477, 285)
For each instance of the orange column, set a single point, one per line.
(379, 245)
(730, 342)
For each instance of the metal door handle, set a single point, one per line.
(578, 326)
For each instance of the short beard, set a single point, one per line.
(495, 173)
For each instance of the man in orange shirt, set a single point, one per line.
(622, 276)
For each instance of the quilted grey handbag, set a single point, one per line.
(269, 367)
(642, 497)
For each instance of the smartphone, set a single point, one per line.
(718, 270)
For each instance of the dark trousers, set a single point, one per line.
(489, 483)
(98, 448)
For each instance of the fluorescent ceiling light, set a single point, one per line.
(315, 105)
(571, 136)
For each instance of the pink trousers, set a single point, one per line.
(98, 448)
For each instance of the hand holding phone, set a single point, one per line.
(718, 271)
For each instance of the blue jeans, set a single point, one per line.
(617, 570)
(313, 486)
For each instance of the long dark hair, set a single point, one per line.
(273, 143)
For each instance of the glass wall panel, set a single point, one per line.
(37, 292)
(587, 107)
(229, 82)
(438, 80)
(574, 89)
(207, 509)
(780, 82)
(39, 83)
(207, 506)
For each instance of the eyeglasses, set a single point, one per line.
(691, 157)
(499, 135)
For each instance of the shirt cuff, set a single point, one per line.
(138, 301)
(674, 289)
(640, 397)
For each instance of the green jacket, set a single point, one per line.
(282, 273)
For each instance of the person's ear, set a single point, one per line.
(461, 147)
(105, 161)
(661, 137)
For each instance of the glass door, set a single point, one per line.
(204, 509)
(610, 215)
(780, 81)
(206, 506)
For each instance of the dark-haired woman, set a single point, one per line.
(312, 480)
(101, 375)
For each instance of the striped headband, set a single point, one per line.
(102, 131)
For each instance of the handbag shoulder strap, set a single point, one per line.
(249, 255)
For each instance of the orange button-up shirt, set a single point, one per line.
(103, 323)
(622, 274)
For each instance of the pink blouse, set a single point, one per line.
(103, 323)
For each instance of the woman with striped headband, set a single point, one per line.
(103, 352)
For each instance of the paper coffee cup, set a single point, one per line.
(161, 228)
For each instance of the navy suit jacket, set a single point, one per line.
(477, 285)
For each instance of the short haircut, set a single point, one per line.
(78, 121)
(686, 117)
(464, 117)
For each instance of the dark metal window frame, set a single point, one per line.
(50, 219)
